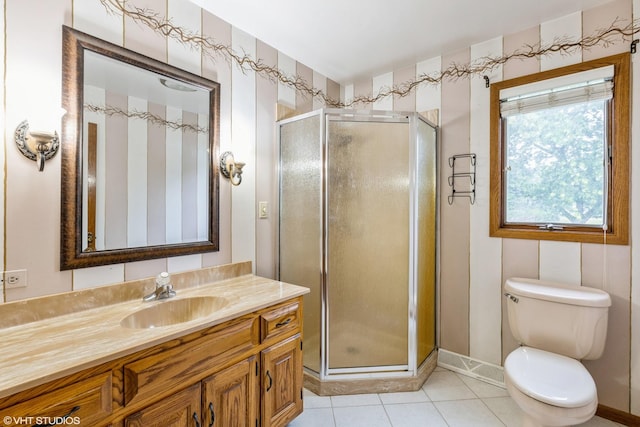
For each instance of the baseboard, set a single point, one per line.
(618, 416)
(484, 371)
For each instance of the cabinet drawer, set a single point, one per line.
(83, 403)
(280, 320)
(144, 379)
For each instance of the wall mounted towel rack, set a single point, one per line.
(458, 179)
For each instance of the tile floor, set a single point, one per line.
(446, 399)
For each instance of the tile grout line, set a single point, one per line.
(384, 408)
(480, 399)
(441, 414)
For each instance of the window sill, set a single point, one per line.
(533, 233)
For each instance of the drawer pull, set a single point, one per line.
(62, 418)
(213, 414)
(283, 323)
(270, 381)
(195, 419)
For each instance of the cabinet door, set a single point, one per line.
(282, 382)
(231, 396)
(179, 410)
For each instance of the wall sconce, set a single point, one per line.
(231, 169)
(36, 145)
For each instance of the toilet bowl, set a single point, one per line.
(551, 389)
(557, 325)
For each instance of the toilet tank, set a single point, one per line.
(557, 317)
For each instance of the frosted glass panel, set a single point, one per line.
(426, 240)
(301, 223)
(368, 244)
(348, 206)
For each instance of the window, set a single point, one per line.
(560, 154)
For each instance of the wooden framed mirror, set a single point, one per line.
(139, 143)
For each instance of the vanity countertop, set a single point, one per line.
(39, 351)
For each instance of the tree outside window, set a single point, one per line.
(556, 165)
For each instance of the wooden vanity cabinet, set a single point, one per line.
(87, 401)
(178, 410)
(281, 363)
(282, 388)
(263, 388)
(231, 396)
(227, 398)
(246, 372)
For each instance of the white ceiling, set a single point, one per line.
(347, 39)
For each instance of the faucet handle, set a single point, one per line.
(163, 279)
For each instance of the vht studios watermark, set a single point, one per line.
(53, 421)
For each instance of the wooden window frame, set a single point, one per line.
(618, 196)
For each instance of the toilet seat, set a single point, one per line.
(550, 378)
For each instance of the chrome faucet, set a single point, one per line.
(163, 290)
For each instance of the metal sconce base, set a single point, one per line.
(36, 146)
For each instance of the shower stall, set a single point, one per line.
(357, 225)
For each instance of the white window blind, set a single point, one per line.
(580, 87)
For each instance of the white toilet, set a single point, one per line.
(557, 325)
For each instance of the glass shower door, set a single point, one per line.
(367, 261)
(300, 253)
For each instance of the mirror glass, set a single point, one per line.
(139, 139)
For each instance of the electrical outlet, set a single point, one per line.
(15, 279)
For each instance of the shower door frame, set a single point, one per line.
(326, 116)
(359, 116)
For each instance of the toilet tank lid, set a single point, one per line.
(557, 292)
